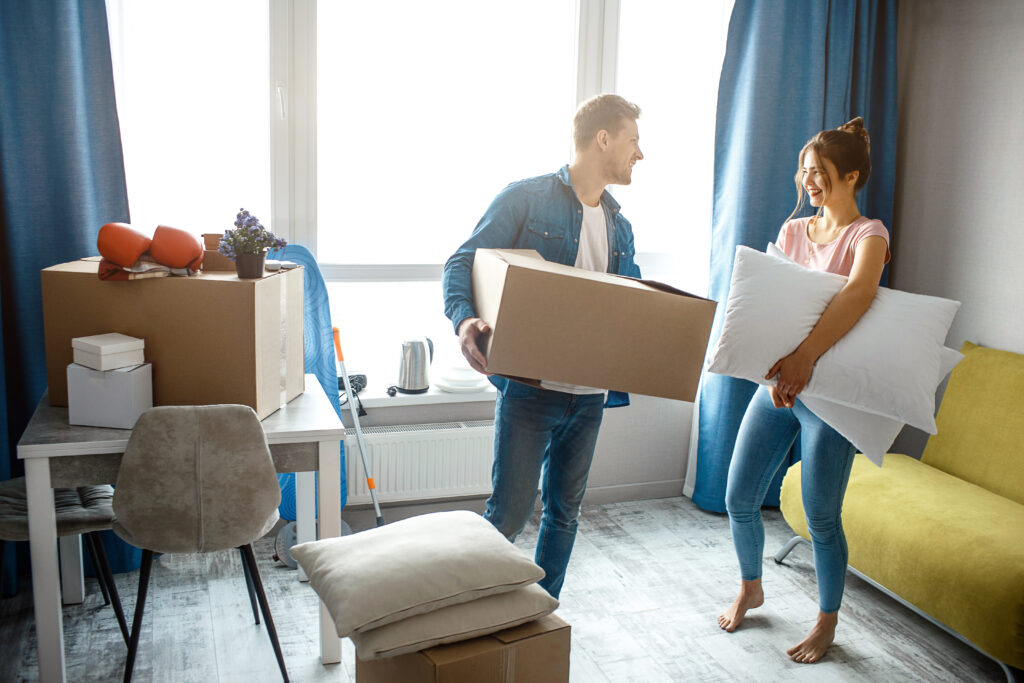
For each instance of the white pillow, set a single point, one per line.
(412, 566)
(871, 434)
(887, 364)
(456, 622)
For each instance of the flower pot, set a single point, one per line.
(249, 266)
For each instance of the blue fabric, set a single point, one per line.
(61, 178)
(548, 438)
(541, 213)
(320, 357)
(764, 441)
(791, 69)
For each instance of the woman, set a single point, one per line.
(834, 166)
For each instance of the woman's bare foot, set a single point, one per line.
(813, 647)
(751, 596)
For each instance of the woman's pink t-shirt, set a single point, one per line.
(834, 257)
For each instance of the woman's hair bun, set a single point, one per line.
(856, 127)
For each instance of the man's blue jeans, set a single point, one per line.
(544, 437)
(765, 437)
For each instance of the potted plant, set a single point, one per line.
(247, 245)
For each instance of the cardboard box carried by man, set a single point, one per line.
(562, 324)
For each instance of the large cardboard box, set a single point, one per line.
(553, 322)
(536, 652)
(211, 338)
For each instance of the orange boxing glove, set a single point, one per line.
(176, 248)
(122, 244)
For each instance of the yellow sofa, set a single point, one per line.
(945, 534)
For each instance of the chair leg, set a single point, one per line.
(140, 603)
(90, 545)
(254, 572)
(99, 559)
(249, 587)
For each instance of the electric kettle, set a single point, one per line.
(414, 375)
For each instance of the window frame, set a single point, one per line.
(292, 110)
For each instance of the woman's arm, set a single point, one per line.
(843, 312)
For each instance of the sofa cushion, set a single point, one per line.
(981, 422)
(949, 547)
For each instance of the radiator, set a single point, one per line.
(421, 462)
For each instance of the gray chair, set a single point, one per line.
(197, 479)
(85, 510)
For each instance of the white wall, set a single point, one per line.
(957, 229)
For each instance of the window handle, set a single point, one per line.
(281, 101)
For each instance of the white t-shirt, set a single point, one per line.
(592, 255)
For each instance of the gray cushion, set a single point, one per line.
(196, 479)
(456, 622)
(413, 566)
(79, 510)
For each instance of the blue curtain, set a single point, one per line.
(791, 69)
(61, 178)
(320, 357)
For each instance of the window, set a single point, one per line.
(670, 200)
(425, 111)
(192, 100)
(376, 133)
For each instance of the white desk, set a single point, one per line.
(304, 437)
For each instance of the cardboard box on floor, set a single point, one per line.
(553, 322)
(535, 652)
(211, 338)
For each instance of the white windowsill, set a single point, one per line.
(379, 398)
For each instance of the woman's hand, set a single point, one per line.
(794, 372)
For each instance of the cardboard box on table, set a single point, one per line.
(213, 260)
(558, 323)
(211, 338)
(109, 398)
(535, 652)
(108, 351)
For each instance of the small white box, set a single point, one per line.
(108, 351)
(111, 398)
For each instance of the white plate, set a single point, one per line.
(462, 381)
(462, 388)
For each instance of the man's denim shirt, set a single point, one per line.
(541, 213)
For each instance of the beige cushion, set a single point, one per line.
(456, 622)
(410, 567)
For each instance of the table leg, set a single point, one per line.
(42, 532)
(305, 511)
(330, 527)
(72, 581)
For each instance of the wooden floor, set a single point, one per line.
(647, 580)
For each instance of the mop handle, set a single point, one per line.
(359, 432)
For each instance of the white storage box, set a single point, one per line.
(108, 351)
(111, 398)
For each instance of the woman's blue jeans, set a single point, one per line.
(547, 438)
(765, 437)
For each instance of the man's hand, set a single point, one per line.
(470, 330)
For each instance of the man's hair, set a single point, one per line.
(601, 112)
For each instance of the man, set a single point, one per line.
(550, 432)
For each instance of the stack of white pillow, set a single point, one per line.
(881, 375)
(437, 578)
